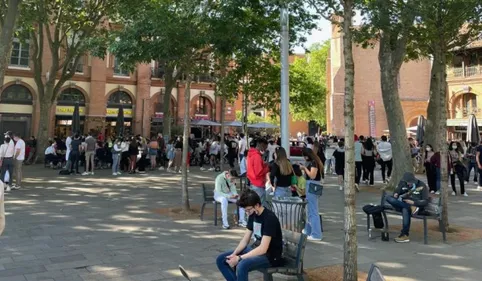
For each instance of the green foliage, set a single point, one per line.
(308, 85)
(254, 118)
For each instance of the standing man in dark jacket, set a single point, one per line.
(410, 195)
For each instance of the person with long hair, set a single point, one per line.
(432, 168)
(281, 173)
(313, 174)
(153, 151)
(456, 167)
(133, 152)
(369, 151)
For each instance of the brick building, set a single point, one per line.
(370, 115)
(101, 87)
(464, 80)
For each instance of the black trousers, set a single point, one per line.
(461, 181)
(387, 165)
(231, 157)
(431, 173)
(358, 171)
(74, 161)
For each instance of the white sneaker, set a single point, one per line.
(180, 171)
(453, 193)
(16, 187)
(226, 227)
(340, 188)
(243, 224)
(187, 171)
(438, 192)
(432, 191)
(465, 194)
(311, 238)
(8, 188)
(211, 169)
(85, 173)
(202, 169)
(303, 231)
(114, 174)
(479, 188)
(92, 173)
(161, 169)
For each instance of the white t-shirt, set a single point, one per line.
(271, 148)
(68, 141)
(214, 148)
(20, 145)
(242, 146)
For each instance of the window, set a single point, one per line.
(470, 103)
(120, 98)
(202, 103)
(80, 65)
(71, 96)
(16, 94)
(20, 53)
(118, 71)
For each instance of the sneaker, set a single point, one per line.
(202, 169)
(479, 188)
(243, 224)
(16, 187)
(311, 238)
(438, 192)
(432, 191)
(211, 169)
(187, 170)
(340, 188)
(414, 210)
(85, 173)
(303, 231)
(226, 227)
(453, 193)
(357, 188)
(180, 171)
(402, 239)
(92, 173)
(161, 169)
(465, 194)
(114, 174)
(8, 188)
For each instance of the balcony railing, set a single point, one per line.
(464, 72)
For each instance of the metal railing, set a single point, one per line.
(461, 72)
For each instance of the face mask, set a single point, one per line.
(428, 149)
(454, 146)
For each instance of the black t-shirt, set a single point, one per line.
(267, 224)
(281, 180)
(479, 150)
(76, 145)
(310, 165)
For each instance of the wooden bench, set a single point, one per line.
(208, 198)
(293, 253)
(375, 274)
(432, 211)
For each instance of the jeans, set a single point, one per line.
(313, 224)
(327, 165)
(241, 271)
(7, 165)
(387, 164)
(261, 193)
(282, 192)
(224, 207)
(403, 207)
(74, 160)
(470, 166)
(115, 163)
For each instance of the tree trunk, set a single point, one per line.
(221, 162)
(44, 122)
(350, 272)
(6, 36)
(437, 119)
(185, 146)
(393, 108)
(169, 85)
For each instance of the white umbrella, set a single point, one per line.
(263, 125)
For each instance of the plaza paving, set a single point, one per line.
(104, 228)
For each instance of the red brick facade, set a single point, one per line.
(413, 89)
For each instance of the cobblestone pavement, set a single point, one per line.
(101, 227)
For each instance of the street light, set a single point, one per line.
(285, 99)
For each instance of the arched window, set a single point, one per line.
(119, 98)
(70, 96)
(16, 94)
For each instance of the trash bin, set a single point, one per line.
(291, 212)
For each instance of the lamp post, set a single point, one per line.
(285, 99)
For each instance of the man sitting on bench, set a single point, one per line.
(410, 195)
(225, 192)
(266, 250)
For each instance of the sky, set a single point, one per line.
(322, 33)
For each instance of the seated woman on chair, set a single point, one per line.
(225, 192)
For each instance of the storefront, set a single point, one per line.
(16, 110)
(117, 100)
(64, 111)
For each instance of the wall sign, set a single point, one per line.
(112, 112)
(63, 110)
(372, 118)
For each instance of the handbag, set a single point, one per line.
(316, 189)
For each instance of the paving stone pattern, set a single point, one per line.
(104, 228)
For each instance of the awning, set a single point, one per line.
(203, 122)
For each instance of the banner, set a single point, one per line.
(64, 110)
(113, 112)
(372, 118)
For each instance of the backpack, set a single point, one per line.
(376, 212)
(64, 172)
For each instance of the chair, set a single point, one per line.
(208, 197)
